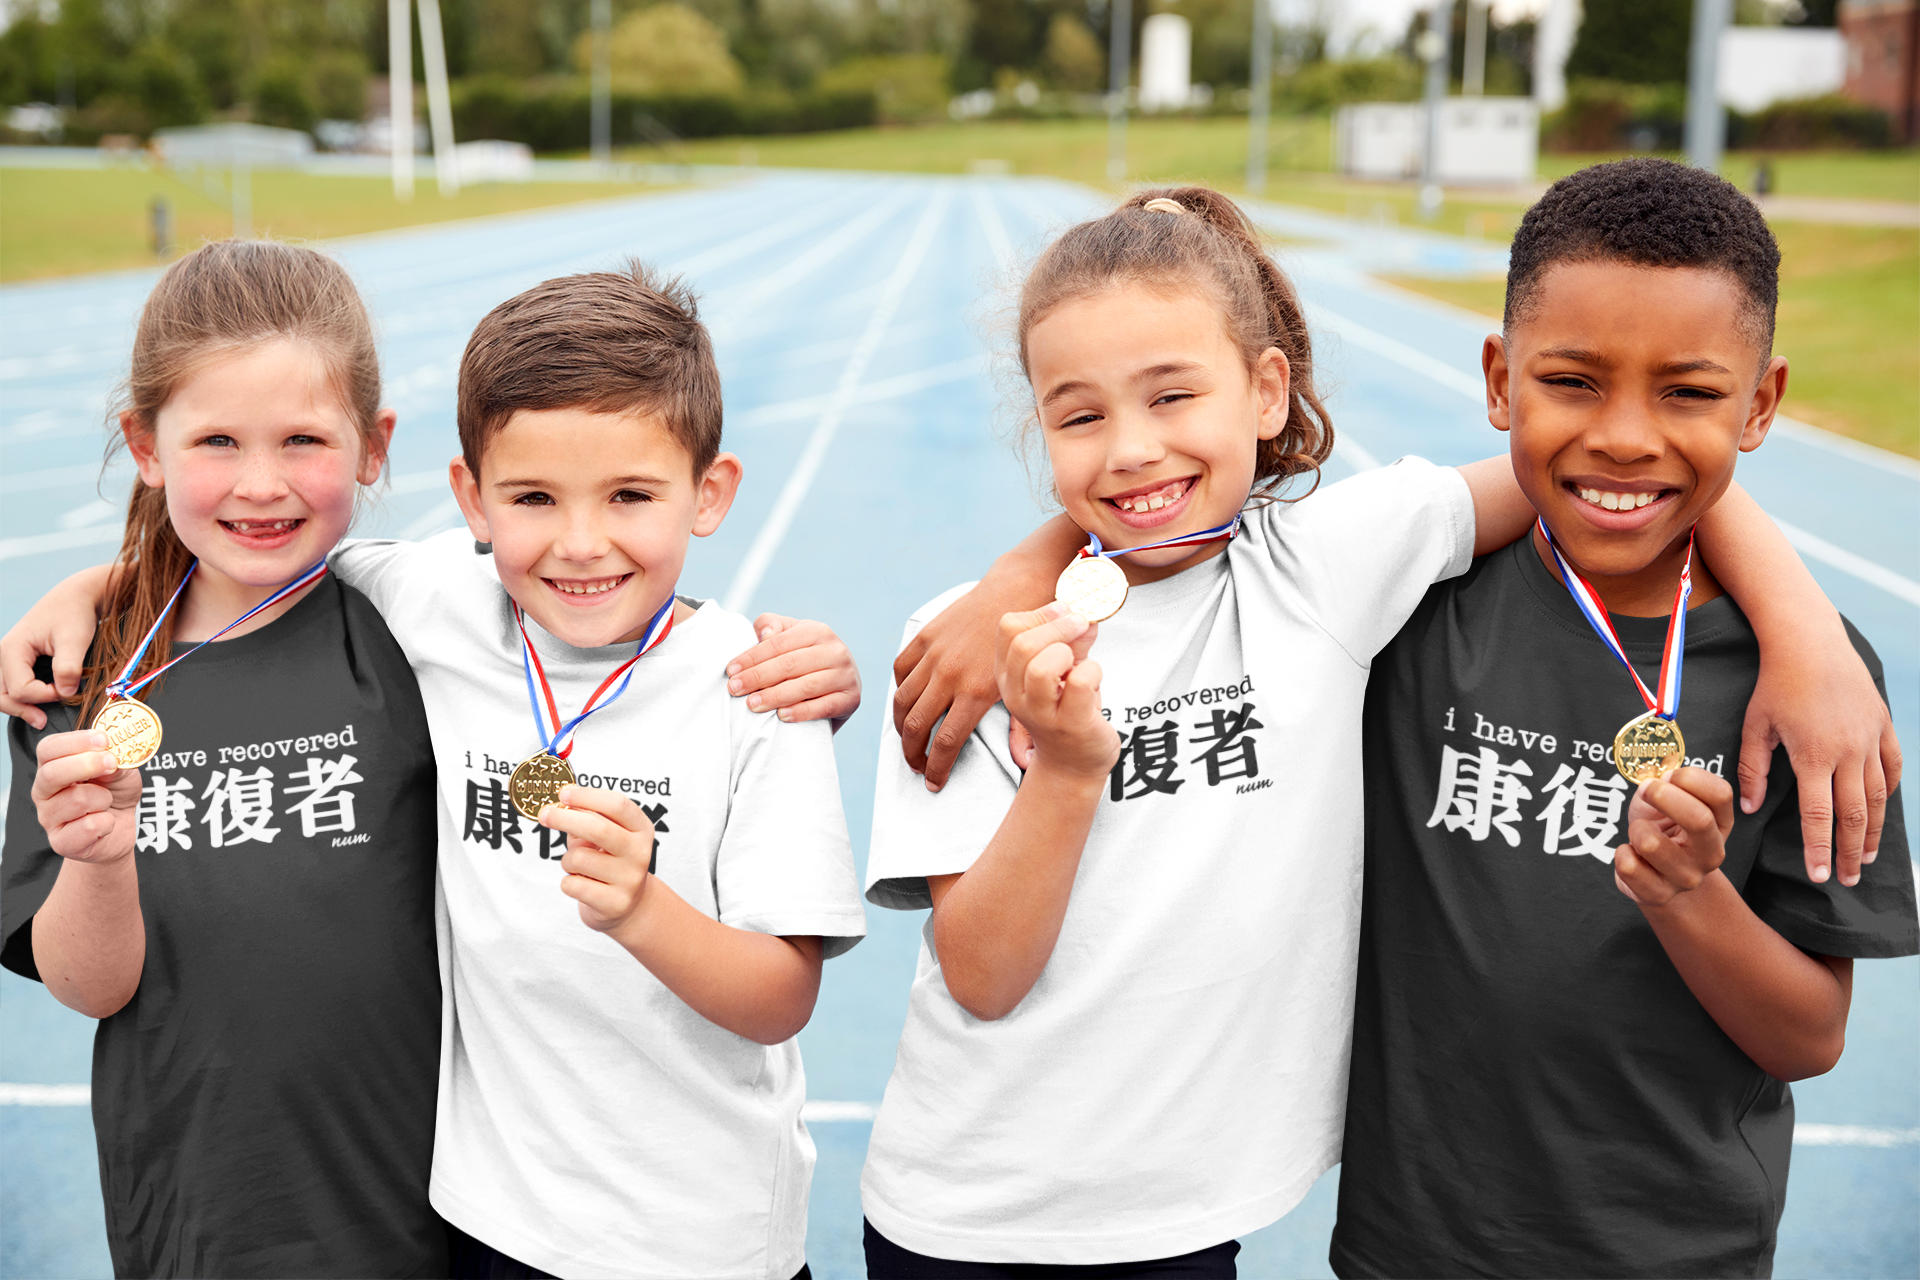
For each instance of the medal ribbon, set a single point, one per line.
(558, 737)
(1673, 653)
(126, 687)
(1219, 533)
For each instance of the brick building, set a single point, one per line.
(1883, 59)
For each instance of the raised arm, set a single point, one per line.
(61, 624)
(996, 924)
(1815, 695)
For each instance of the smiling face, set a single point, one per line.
(1151, 418)
(1630, 392)
(589, 516)
(260, 464)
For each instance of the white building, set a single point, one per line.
(1166, 63)
(1483, 141)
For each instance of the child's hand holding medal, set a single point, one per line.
(85, 801)
(1051, 685)
(1677, 829)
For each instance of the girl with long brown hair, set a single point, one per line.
(250, 913)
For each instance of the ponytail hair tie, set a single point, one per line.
(1160, 204)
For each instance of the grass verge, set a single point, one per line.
(56, 222)
(1849, 325)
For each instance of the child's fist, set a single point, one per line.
(609, 845)
(1052, 687)
(85, 801)
(1676, 836)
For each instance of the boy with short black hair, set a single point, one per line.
(1570, 1052)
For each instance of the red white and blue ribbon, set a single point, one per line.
(126, 687)
(557, 737)
(1219, 533)
(1672, 656)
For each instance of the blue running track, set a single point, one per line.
(857, 319)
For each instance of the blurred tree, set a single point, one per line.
(280, 93)
(1633, 41)
(339, 80)
(906, 88)
(1075, 59)
(667, 49)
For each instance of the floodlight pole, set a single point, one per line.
(1260, 97)
(1706, 118)
(1120, 13)
(1473, 64)
(602, 122)
(400, 94)
(1434, 41)
(433, 51)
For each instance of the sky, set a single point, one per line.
(1383, 21)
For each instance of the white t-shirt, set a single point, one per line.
(590, 1123)
(1177, 1075)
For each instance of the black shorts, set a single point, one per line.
(477, 1260)
(888, 1261)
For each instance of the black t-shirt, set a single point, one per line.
(1535, 1091)
(264, 1104)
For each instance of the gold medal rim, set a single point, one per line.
(1645, 775)
(513, 790)
(115, 706)
(1077, 567)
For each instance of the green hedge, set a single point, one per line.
(1829, 121)
(556, 116)
(1604, 115)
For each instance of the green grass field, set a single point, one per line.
(1850, 296)
(56, 222)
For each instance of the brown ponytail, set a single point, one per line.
(1207, 244)
(217, 301)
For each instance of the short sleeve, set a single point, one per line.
(785, 865)
(1364, 551)
(919, 833)
(28, 866)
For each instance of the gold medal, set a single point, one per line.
(132, 728)
(1093, 587)
(537, 782)
(1648, 746)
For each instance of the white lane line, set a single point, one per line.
(1814, 547)
(732, 307)
(1810, 545)
(1817, 438)
(817, 1112)
(418, 481)
(45, 1095)
(1353, 454)
(990, 222)
(1852, 1135)
(893, 388)
(774, 531)
(822, 1111)
(765, 237)
(444, 515)
(35, 544)
(54, 478)
(1473, 388)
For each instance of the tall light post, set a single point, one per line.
(1119, 51)
(1706, 118)
(1473, 62)
(602, 124)
(1260, 97)
(400, 94)
(1432, 47)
